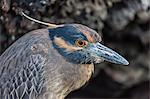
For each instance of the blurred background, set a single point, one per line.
(123, 24)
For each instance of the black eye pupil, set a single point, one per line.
(80, 42)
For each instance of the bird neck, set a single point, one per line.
(62, 77)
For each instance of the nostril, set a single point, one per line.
(100, 48)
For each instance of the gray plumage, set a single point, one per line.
(32, 69)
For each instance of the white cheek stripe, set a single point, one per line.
(63, 44)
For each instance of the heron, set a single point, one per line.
(51, 62)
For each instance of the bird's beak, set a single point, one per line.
(102, 52)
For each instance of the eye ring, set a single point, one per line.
(80, 43)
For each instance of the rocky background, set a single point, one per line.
(123, 24)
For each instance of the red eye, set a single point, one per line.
(80, 43)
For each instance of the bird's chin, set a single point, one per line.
(97, 61)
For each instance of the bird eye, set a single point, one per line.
(80, 42)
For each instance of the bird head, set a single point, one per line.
(79, 44)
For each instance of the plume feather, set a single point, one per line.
(38, 21)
